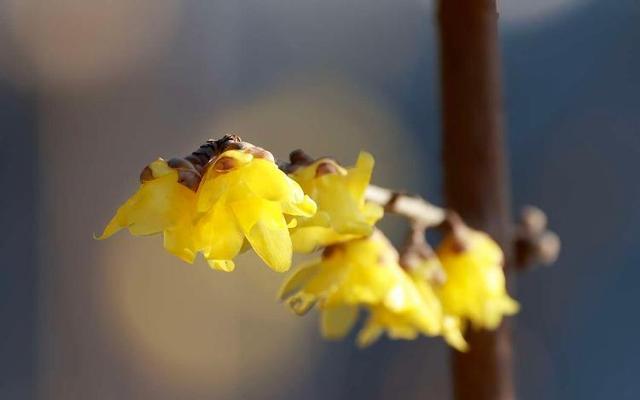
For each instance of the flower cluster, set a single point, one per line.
(230, 196)
(242, 198)
(365, 274)
(360, 270)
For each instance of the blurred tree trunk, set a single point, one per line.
(476, 171)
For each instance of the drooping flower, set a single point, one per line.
(362, 274)
(475, 288)
(407, 325)
(243, 196)
(427, 276)
(211, 201)
(343, 214)
(161, 205)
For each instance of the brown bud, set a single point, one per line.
(180, 163)
(459, 231)
(188, 174)
(533, 219)
(225, 164)
(549, 248)
(534, 244)
(146, 175)
(195, 161)
(259, 152)
(330, 250)
(299, 157)
(326, 168)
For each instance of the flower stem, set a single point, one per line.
(414, 208)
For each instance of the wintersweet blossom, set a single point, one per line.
(343, 214)
(246, 197)
(243, 201)
(427, 276)
(161, 205)
(475, 287)
(362, 274)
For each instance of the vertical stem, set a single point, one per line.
(476, 171)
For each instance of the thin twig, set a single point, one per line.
(415, 208)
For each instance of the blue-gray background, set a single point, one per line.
(91, 92)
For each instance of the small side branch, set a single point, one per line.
(414, 208)
(534, 244)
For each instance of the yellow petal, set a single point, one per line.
(329, 277)
(222, 237)
(301, 302)
(180, 242)
(369, 334)
(266, 229)
(372, 213)
(159, 204)
(334, 198)
(311, 238)
(298, 279)
(360, 174)
(265, 180)
(221, 265)
(337, 322)
(119, 221)
(405, 332)
(216, 183)
(160, 168)
(212, 188)
(452, 331)
(305, 207)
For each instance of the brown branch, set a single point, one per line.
(533, 243)
(476, 172)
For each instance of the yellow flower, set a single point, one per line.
(475, 286)
(427, 275)
(243, 196)
(361, 273)
(342, 213)
(161, 205)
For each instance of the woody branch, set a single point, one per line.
(533, 243)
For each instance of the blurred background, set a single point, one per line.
(93, 90)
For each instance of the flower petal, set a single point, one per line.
(369, 333)
(360, 175)
(452, 331)
(298, 279)
(119, 221)
(311, 238)
(336, 322)
(180, 242)
(265, 180)
(159, 204)
(222, 237)
(303, 208)
(222, 265)
(266, 229)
